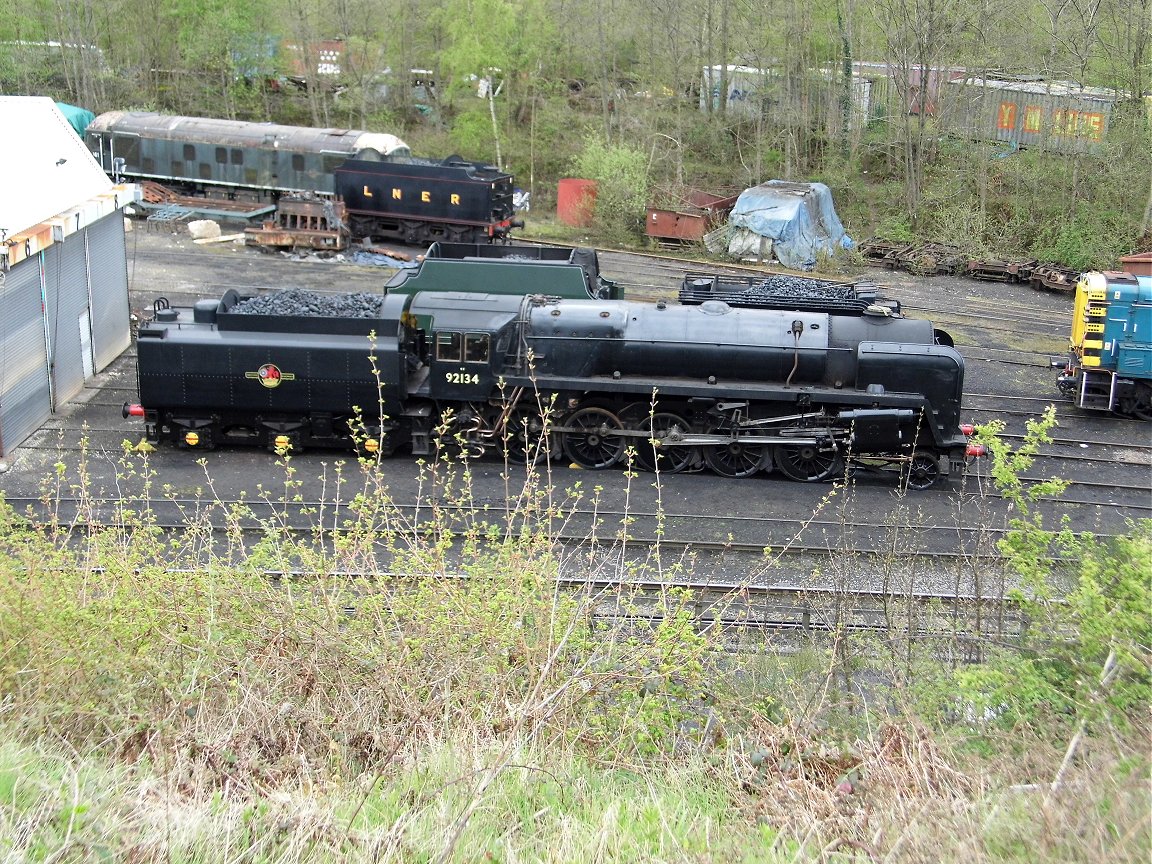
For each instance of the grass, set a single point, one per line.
(464, 799)
(162, 699)
(538, 806)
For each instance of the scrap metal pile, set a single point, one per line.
(932, 259)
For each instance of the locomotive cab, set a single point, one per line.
(468, 337)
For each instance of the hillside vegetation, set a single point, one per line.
(548, 89)
(223, 695)
(196, 696)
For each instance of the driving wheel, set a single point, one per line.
(667, 458)
(808, 463)
(735, 458)
(527, 440)
(596, 441)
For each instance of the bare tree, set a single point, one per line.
(82, 60)
(1146, 222)
(305, 28)
(920, 36)
(1124, 40)
(1072, 27)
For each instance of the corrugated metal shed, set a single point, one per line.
(63, 276)
(1060, 116)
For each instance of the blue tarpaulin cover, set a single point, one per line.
(798, 218)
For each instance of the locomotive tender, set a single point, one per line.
(422, 201)
(387, 191)
(604, 381)
(567, 272)
(1109, 365)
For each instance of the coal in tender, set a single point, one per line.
(310, 304)
(778, 291)
(801, 287)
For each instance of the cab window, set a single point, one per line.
(475, 347)
(127, 148)
(448, 347)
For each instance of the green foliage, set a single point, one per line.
(621, 175)
(656, 691)
(512, 38)
(1078, 210)
(636, 86)
(897, 229)
(1088, 651)
(1027, 545)
(1008, 690)
(471, 133)
(135, 632)
(1110, 611)
(540, 147)
(1092, 239)
(467, 699)
(539, 804)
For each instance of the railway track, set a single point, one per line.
(756, 609)
(1007, 356)
(174, 514)
(720, 527)
(900, 543)
(625, 590)
(749, 617)
(64, 439)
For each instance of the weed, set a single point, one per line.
(349, 679)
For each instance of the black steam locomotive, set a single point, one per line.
(603, 381)
(388, 192)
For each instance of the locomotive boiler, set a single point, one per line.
(603, 382)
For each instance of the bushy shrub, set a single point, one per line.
(1087, 652)
(1092, 239)
(621, 175)
(251, 656)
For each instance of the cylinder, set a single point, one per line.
(575, 201)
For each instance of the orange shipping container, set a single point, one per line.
(575, 201)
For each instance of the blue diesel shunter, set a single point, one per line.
(1110, 362)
